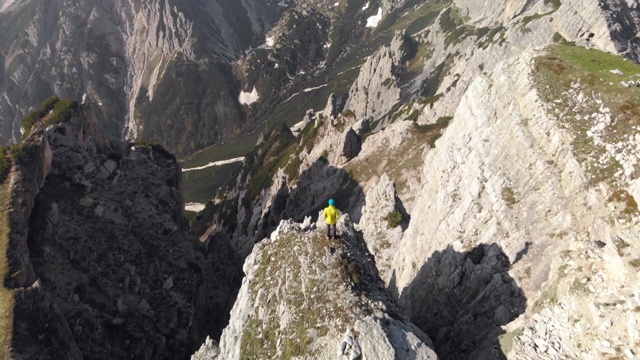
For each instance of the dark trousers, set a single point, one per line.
(329, 230)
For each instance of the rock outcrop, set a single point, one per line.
(376, 90)
(117, 275)
(304, 296)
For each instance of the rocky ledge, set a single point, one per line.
(311, 298)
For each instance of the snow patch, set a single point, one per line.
(296, 128)
(84, 98)
(283, 3)
(270, 41)
(195, 207)
(215, 163)
(374, 20)
(366, 6)
(305, 90)
(248, 98)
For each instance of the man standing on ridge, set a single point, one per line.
(331, 215)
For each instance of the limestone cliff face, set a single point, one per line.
(508, 148)
(376, 90)
(307, 297)
(121, 57)
(101, 265)
(507, 171)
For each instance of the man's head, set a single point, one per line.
(331, 202)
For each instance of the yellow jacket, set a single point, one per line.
(331, 214)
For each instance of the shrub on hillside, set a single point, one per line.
(35, 116)
(62, 112)
(394, 219)
(24, 152)
(5, 164)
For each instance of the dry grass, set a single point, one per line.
(578, 83)
(308, 296)
(6, 295)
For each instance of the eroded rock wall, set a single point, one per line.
(117, 274)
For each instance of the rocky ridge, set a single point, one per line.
(325, 300)
(101, 268)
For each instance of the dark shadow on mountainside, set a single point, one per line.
(461, 300)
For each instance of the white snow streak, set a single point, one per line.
(374, 20)
(215, 163)
(195, 207)
(305, 90)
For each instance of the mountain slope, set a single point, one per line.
(99, 261)
(500, 181)
(122, 58)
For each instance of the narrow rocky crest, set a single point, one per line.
(307, 297)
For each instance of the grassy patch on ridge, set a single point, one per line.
(585, 90)
(6, 295)
(303, 285)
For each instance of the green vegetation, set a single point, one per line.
(506, 340)
(54, 110)
(6, 295)
(434, 131)
(508, 196)
(623, 197)
(577, 83)
(431, 85)
(413, 116)
(24, 152)
(228, 149)
(308, 135)
(62, 112)
(5, 163)
(344, 30)
(554, 3)
(35, 116)
(425, 18)
(394, 219)
(548, 297)
(201, 186)
(559, 39)
(292, 169)
(200, 222)
(309, 297)
(268, 158)
(452, 23)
